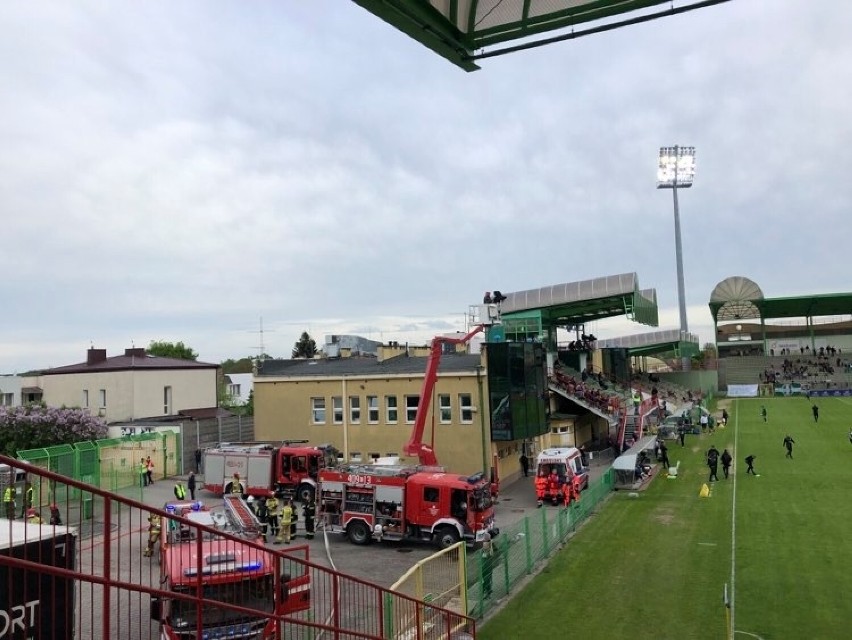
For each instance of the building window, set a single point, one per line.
(466, 408)
(337, 409)
(355, 456)
(167, 401)
(393, 412)
(445, 409)
(373, 409)
(375, 455)
(85, 398)
(411, 403)
(318, 410)
(355, 409)
(102, 398)
(234, 392)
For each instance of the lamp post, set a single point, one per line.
(676, 169)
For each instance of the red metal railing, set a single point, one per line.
(87, 578)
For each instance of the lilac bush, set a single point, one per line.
(33, 426)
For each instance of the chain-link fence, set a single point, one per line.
(523, 546)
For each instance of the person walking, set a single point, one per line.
(664, 455)
(198, 461)
(815, 411)
(190, 484)
(525, 464)
(262, 514)
(724, 417)
(726, 462)
(681, 434)
(149, 469)
(27, 502)
(763, 412)
(143, 472)
(713, 462)
(9, 495)
(789, 442)
(180, 491)
(750, 462)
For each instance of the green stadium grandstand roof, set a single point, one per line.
(738, 298)
(670, 341)
(459, 30)
(575, 303)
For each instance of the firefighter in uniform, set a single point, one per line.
(28, 498)
(262, 514)
(9, 495)
(285, 522)
(235, 485)
(55, 516)
(33, 517)
(309, 512)
(540, 487)
(272, 515)
(154, 529)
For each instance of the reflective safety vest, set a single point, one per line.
(180, 491)
(286, 514)
(8, 495)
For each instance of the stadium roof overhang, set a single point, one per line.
(741, 299)
(576, 303)
(459, 30)
(672, 342)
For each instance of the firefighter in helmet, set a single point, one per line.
(235, 485)
(540, 486)
(309, 511)
(33, 516)
(154, 529)
(285, 522)
(272, 515)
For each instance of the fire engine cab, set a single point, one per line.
(394, 502)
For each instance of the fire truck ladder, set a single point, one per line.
(241, 517)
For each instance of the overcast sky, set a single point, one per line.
(178, 171)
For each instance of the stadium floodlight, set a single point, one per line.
(676, 169)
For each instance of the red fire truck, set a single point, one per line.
(390, 502)
(231, 572)
(289, 467)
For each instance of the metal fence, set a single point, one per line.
(522, 547)
(111, 464)
(92, 579)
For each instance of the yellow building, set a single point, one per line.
(366, 406)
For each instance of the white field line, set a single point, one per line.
(734, 516)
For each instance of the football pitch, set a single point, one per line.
(661, 564)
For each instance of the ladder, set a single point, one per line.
(241, 518)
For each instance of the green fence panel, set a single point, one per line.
(88, 468)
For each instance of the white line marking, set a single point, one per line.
(734, 516)
(706, 544)
(748, 633)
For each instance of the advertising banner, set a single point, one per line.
(742, 390)
(832, 393)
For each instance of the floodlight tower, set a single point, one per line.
(677, 169)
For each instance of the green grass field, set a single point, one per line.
(656, 565)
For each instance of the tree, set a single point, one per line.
(34, 426)
(305, 347)
(171, 350)
(243, 365)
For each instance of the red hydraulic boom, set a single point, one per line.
(415, 446)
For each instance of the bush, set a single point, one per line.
(34, 426)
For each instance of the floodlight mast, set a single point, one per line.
(677, 169)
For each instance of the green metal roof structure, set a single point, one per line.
(672, 342)
(738, 298)
(459, 30)
(534, 313)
